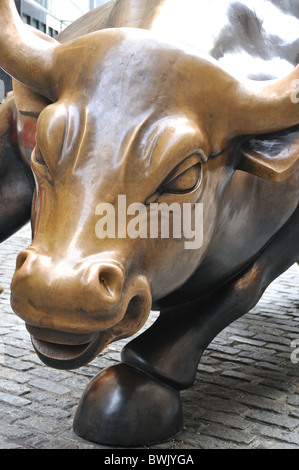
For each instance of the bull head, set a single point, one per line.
(122, 111)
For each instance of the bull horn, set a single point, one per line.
(264, 107)
(25, 54)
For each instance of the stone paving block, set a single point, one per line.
(17, 364)
(232, 359)
(277, 373)
(237, 330)
(275, 384)
(262, 355)
(13, 399)
(48, 410)
(276, 446)
(13, 375)
(40, 424)
(228, 434)
(205, 442)
(276, 434)
(250, 349)
(4, 445)
(267, 338)
(293, 400)
(14, 432)
(239, 375)
(223, 349)
(220, 380)
(206, 368)
(10, 414)
(42, 372)
(280, 347)
(13, 352)
(294, 413)
(49, 386)
(45, 442)
(228, 419)
(273, 418)
(246, 340)
(256, 401)
(272, 368)
(222, 405)
(261, 390)
(14, 387)
(37, 395)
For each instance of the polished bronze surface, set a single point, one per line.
(130, 102)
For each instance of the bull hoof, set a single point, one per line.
(123, 406)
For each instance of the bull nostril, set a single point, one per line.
(111, 280)
(105, 284)
(21, 258)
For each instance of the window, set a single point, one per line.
(35, 23)
(26, 19)
(52, 32)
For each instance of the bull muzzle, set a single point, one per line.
(73, 311)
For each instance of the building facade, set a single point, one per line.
(50, 17)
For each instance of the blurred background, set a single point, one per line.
(50, 17)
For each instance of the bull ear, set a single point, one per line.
(28, 102)
(273, 157)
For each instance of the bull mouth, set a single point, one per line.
(68, 351)
(64, 350)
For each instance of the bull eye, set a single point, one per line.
(185, 182)
(185, 177)
(39, 166)
(38, 157)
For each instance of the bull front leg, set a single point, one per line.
(137, 402)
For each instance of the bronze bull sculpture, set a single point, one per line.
(120, 109)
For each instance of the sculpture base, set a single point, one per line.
(123, 406)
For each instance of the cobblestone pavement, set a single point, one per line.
(246, 393)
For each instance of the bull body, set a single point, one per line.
(154, 119)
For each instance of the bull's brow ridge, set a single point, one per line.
(153, 146)
(69, 131)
